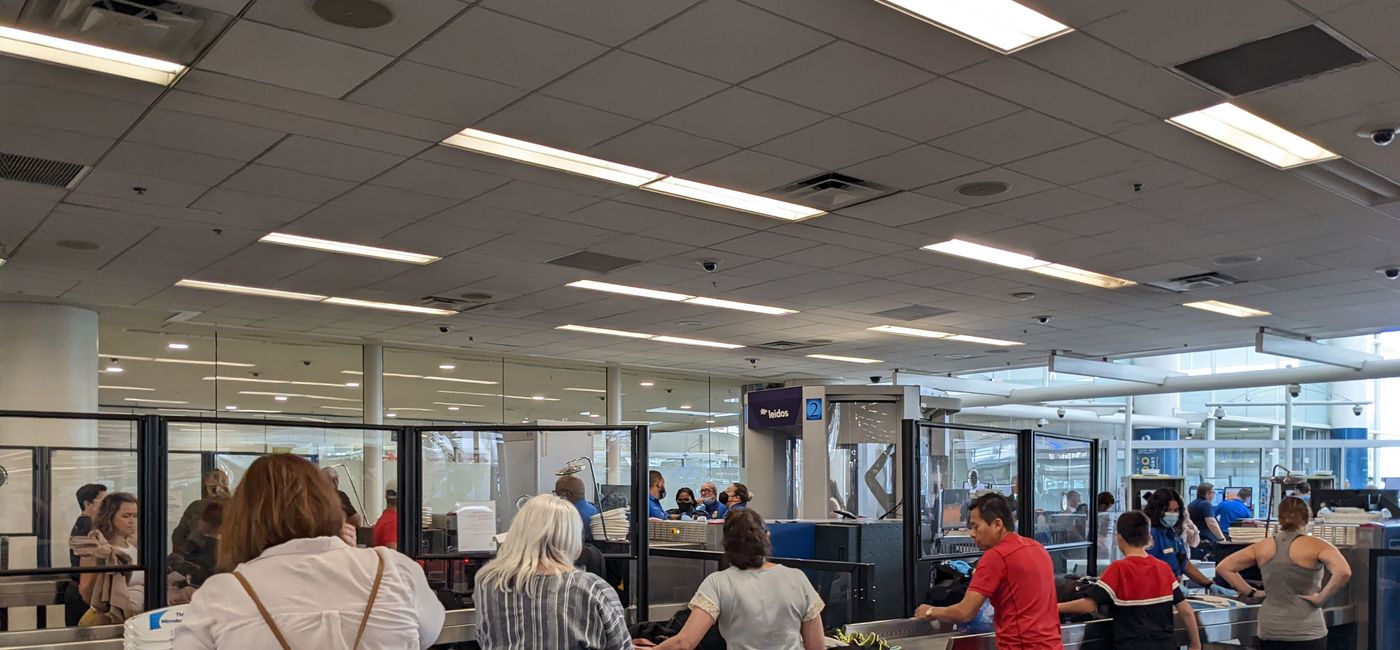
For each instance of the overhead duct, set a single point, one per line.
(1022, 412)
(1381, 369)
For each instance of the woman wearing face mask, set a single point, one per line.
(685, 505)
(1168, 514)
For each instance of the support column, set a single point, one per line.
(48, 362)
(372, 404)
(1168, 461)
(1210, 449)
(1273, 451)
(1288, 430)
(613, 402)
(1128, 469)
(1352, 465)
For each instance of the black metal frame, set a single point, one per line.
(411, 494)
(861, 572)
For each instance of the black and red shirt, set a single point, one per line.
(1142, 592)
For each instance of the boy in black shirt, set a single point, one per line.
(1141, 591)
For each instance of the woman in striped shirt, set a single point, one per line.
(531, 597)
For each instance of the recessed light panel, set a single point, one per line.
(832, 357)
(1001, 25)
(388, 306)
(348, 249)
(680, 297)
(539, 155)
(742, 201)
(1226, 308)
(650, 337)
(1022, 262)
(249, 291)
(1235, 128)
(74, 54)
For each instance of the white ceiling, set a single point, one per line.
(289, 123)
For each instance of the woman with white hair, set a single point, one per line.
(531, 597)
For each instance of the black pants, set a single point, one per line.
(73, 604)
(1315, 644)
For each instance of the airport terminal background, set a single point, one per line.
(867, 259)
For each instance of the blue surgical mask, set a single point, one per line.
(1169, 519)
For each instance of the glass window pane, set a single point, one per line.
(954, 465)
(1062, 496)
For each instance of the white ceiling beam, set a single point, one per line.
(1109, 370)
(1298, 346)
(954, 384)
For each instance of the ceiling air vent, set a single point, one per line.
(1268, 62)
(595, 262)
(26, 169)
(459, 304)
(831, 192)
(166, 30)
(1196, 282)
(1351, 181)
(785, 346)
(913, 312)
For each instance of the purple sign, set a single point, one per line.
(777, 407)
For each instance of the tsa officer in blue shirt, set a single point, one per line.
(656, 492)
(710, 503)
(1166, 511)
(570, 488)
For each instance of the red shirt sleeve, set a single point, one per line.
(990, 574)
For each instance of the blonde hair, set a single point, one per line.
(547, 534)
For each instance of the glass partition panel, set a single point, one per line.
(695, 428)
(1062, 482)
(1070, 561)
(955, 465)
(212, 458)
(424, 385)
(55, 474)
(862, 441)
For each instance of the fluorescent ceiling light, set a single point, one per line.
(985, 341)
(630, 291)
(280, 398)
(1235, 128)
(197, 362)
(679, 297)
(741, 306)
(406, 408)
(982, 253)
(115, 369)
(599, 330)
(391, 415)
(647, 384)
(352, 384)
(317, 397)
(530, 153)
(456, 405)
(1226, 308)
(388, 306)
(446, 366)
(74, 54)
(230, 407)
(125, 357)
(832, 357)
(347, 248)
(535, 398)
(126, 388)
(587, 390)
(1081, 276)
(153, 401)
(911, 331)
(683, 411)
(250, 291)
(338, 408)
(178, 346)
(732, 199)
(699, 342)
(1001, 25)
(462, 381)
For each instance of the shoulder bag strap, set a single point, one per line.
(267, 618)
(373, 595)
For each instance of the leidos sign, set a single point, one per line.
(779, 407)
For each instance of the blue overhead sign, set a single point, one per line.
(814, 408)
(778, 407)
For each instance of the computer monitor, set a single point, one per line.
(1368, 500)
(614, 496)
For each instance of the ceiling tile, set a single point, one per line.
(435, 93)
(964, 224)
(342, 223)
(900, 209)
(750, 171)
(915, 167)
(557, 123)
(1029, 86)
(1168, 34)
(697, 232)
(764, 244)
(1013, 137)
(413, 21)
(205, 135)
(139, 187)
(393, 201)
(620, 217)
(728, 40)
(430, 178)
(1081, 162)
(660, 149)
(144, 159)
(627, 84)
(1094, 64)
(741, 117)
(865, 77)
(252, 50)
(1049, 204)
(607, 21)
(534, 199)
(328, 158)
(287, 183)
(834, 144)
(937, 108)
(1018, 185)
(256, 210)
(495, 46)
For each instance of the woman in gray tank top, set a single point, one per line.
(1291, 563)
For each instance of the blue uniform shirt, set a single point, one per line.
(586, 510)
(1168, 547)
(712, 509)
(1229, 512)
(654, 509)
(1201, 510)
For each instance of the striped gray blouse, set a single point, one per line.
(569, 611)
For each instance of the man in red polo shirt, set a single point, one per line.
(1014, 573)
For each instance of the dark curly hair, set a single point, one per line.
(1159, 502)
(746, 543)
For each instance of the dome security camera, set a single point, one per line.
(1295, 390)
(1356, 410)
(1042, 422)
(1390, 272)
(444, 329)
(1382, 137)
(710, 266)
(1043, 319)
(1220, 413)
(875, 379)
(1060, 412)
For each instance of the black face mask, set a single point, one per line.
(661, 495)
(685, 506)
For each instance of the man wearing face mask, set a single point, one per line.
(710, 503)
(685, 506)
(656, 491)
